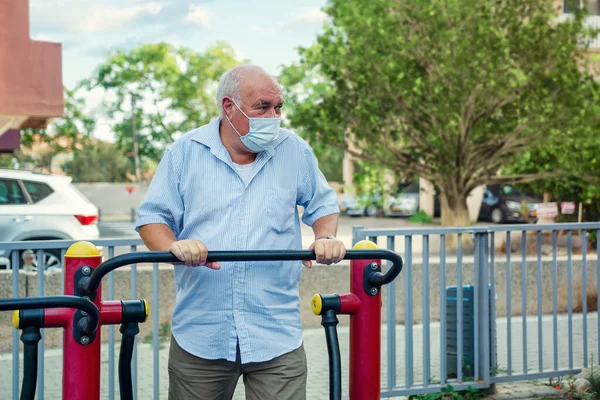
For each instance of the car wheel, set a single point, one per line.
(498, 216)
(371, 211)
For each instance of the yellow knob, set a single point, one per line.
(16, 319)
(146, 309)
(316, 304)
(365, 245)
(82, 249)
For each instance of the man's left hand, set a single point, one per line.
(328, 251)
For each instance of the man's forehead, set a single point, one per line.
(257, 87)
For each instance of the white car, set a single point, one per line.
(35, 206)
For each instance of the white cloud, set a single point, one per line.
(312, 17)
(262, 30)
(197, 15)
(87, 17)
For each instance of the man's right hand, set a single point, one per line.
(193, 253)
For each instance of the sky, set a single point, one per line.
(266, 32)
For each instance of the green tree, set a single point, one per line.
(100, 162)
(173, 90)
(451, 90)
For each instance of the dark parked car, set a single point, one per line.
(505, 203)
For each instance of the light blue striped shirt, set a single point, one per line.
(198, 193)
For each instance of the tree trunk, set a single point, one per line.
(455, 213)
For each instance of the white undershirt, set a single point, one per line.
(244, 171)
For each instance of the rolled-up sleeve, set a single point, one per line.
(163, 203)
(315, 194)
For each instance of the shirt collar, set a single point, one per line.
(209, 136)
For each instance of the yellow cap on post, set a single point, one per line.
(365, 245)
(316, 304)
(146, 309)
(82, 249)
(16, 319)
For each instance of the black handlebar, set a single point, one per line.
(375, 279)
(32, 303)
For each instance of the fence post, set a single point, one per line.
(358, 234)
(482, 286)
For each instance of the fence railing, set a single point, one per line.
(473, 314)
(109, 248)
(491, 328)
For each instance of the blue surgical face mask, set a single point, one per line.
(262, 133)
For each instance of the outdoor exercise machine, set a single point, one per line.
(81, 313)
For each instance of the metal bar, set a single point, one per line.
(570, 293)
(535, 376)
(357, 234)
(459, 308)
(377, 279)
(425, 312)
(494, 360)
(598, 287)
(59, 244)
(443, 311)
(391, 323)
(65, 244)
(508, 304)
(62, 270)
(485, 316)
(408, 320)
(524, 296)
(554, 300)
(477, 265)
(584, 295)
(41, 345)
(420, 390)
(14, 264)
(155, 326)
(134, 366)
(480, 229)
(111, 333)
(539, 303)
(373, 239)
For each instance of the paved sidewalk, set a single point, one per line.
(316, 351)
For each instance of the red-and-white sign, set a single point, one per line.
(547, 210)
(567, 207)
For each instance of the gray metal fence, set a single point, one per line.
(532, 339)
(109, 249)
(504, 319)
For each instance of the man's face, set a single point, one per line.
(260, 98)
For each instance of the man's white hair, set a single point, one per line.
(229, 84)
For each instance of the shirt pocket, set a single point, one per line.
(280, 211)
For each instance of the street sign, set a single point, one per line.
(547, 210)
(567, 207)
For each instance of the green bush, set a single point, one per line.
(420, 217)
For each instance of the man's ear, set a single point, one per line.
(227, 105)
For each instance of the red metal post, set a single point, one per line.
(365, 333)
(81, 363)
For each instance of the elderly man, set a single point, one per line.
(234, 184)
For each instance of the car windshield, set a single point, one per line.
(412, 187)
(509, 190)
